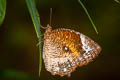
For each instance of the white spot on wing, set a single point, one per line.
(57, 68)
(66, 48)
(65, 69)
(85, 46)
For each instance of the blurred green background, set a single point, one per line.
(19, 55)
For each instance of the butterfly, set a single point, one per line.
(65, 49)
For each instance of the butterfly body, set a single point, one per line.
(64, 50)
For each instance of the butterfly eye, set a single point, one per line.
(65, 48)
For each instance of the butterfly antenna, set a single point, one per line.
(50, 16)
(50, 20)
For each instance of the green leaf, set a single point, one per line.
(36, 21)
(88, 15)
(117, 1)
(2, 10)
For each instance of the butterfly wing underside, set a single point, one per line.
(65, 49)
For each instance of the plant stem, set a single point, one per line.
(36, 21)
